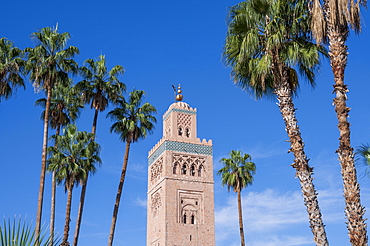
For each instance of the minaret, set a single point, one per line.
(180, 183)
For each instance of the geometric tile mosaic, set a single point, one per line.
(178, 110)
(181, 147)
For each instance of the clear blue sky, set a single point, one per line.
(164, 43)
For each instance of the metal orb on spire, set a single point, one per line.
(179, 96)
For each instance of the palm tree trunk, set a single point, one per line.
(68, 217)
(43, 165)
(53, 196)
(118, 197)
(52, 212)
(80, 210)
(354, 210)
(83, 189)
(303, 170)
(95, 122)
(242, 240)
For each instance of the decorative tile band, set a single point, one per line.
(179, 110)
(181, 147)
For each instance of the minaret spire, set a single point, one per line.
(179, 96)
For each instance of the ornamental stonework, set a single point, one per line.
(184, 120)
(156, 202)
(156, 170)
(188, 165)
(167, 127)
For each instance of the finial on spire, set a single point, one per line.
(179, 96)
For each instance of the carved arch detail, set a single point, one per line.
(189, 165)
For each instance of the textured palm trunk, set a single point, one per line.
(53, 195)
(241, 228)
(83, 189)
(52, 208)
(80, 210)
(43, 165)
(354, 210)
(119, 193)
(303, 171)
(68, 217)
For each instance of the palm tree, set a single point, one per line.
(98, 88)
(133, 120)
(73, 157)
(65, 108)
(332, 21)
(18, 233)
(11, 68)
(48, 64)
(237, 173)
(266, 40)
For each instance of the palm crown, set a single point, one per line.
(100, 85)
(50, 60)
(73, 156)
(266, 37)
(64, 106)
(133, 120)
(11, 68)
(238, 171)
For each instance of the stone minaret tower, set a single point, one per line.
(180, 183)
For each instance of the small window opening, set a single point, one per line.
(183, 171)
(184, 219)
(192, 170)
(192, 219)
(196, 203)
(200, 171)
(180, 131)
(187, 132)
(190, 237)
(175, 169)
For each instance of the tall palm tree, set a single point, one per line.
(133, 120)
(266, 40)
(332, 21)
(48, 64)
(99, 88)
(73, 154)
(65, 108)
(11, 68)
(237, 174)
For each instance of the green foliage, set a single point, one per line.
(265, 36)
(50, 61)
(17, 233)
(11, 68)
(133, 118)
(65, 105)
(74, 156)
(100, 86)
(238, 171)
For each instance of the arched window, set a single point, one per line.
(187, 132)
(192, 219)
(180, 131)
(201, 171)
(184, 218)
(192, 170)
(183, 169)
(175, 168)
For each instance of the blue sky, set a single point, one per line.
(164, 43)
